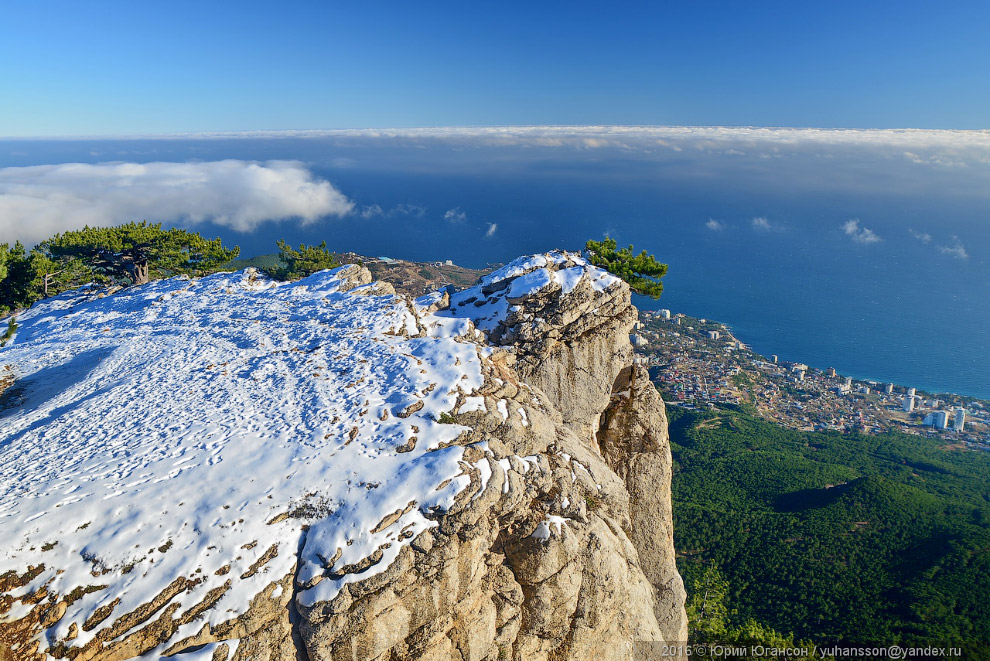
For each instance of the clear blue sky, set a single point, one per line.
(109, 67)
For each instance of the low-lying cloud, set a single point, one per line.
(762, 224)
(715, 225)
(893, 161)
(931, 146)
(956, 249)
(859, 234)
(492, 228)
(375, 210)
(924, 237)
(455, 215)
(39, 201)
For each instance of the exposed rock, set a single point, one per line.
(352, 275)
(517, 505)
(569, 325)
(634, 442)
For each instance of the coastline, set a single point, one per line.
(763, 343)
(699, 362)
(917, 384)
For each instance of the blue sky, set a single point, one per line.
(111, 68)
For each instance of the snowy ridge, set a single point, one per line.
(162, 431)
(493, 301)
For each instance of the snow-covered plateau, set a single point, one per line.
(175, 453)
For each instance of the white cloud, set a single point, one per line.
(715, 225)
(492, 227)
(370, 212)
(859, 234)
(929, 146)
(891, 161)
(957, 249)
(455, 215)
(924, 237)
(762, 223)
(39, 201)
(413, 210)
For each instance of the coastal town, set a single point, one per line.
(699, 363)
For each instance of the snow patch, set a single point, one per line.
(186, 427)
(568, 279)
(472, 404)
(530, 283)
(544, 528)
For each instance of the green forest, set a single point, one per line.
(834, 537)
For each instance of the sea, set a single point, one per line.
(867, 253)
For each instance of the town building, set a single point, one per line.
(937, 419)
(959, 420)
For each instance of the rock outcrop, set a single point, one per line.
(634, 441)
(569, 326)
(482, 474)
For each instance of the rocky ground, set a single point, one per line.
(483, 475)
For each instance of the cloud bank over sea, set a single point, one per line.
(39, 201)
(908, 161)
(941, 148)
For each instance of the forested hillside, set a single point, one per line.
(831, 536)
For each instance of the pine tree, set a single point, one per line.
(642, 271)
(137, 251)
(304, 261)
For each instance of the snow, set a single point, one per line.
(472, 404)
(426, 300)
(519, 279)
(178, 427)
(485, 469)
(558, 522)
(206, 652)
(569, 278)
(543, 529)
(530, 283)
(603, 280)
(526, 461)
(525, 418)
(515, 268)
(505, 464)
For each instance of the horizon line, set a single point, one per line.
(468, 129)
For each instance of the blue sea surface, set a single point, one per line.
(763, 247)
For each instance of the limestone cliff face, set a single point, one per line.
(634, 441)
(556, 543)
(572, 343)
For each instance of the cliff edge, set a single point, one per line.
(232, 468)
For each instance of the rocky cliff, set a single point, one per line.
(231, 468)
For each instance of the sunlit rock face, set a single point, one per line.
(235, 468)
